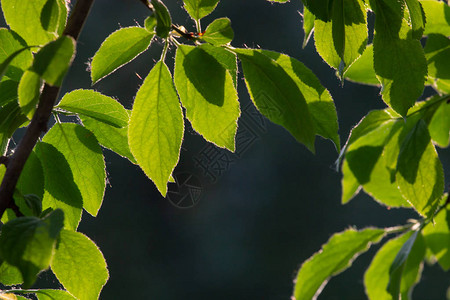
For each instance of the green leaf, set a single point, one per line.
(95, 105)
(198, 9)
(113, 138)
(334, 257)
(119, 48)
(150, 23)
(84, 156)
(350, 184)
(420, 176)
(29, 18)
(53, 16)
(399, 62)
(60, 189)
(437, 238)
(10, 43)
(28, 243)
(226, 58)
(319, 101)
(376, 278)
(156, 126)
(43, 294)
(437, 53)
(308, 25)
(417, 16)
(276, 95)
(320, 8)
(362, 71)
(79, 265)
(5, 64)
(11, 118)
(8, 91)
(367, 159)
(397, 266)
(9, 275)
(29, 91)
(343, 39)
(163, 19)
(53, 60)
(219, 32)
(207, 92)
(437, 14)
(439, 126)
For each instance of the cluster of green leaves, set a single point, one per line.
(65, 173)
(391, 154)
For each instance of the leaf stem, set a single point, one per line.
(164, 53)
(40, 119)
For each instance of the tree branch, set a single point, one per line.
(41, 117)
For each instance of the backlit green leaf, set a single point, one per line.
(29, 91)
(439, 126)
(226, 58)
(362, 71)
(207, 92)
(437, 238)
(43, 294)
(53, 16)
(113, 138)
(11, 118)
(11, 42)
(276, 95)
(54, 59)
(219, 32)
(437, 53)
(60, 188)
(84, 156)
(198, 9)
(119, 48)
(399, 61)
(320, 103)
(95, 105)
(417, 16)
(320, 8)
(79, 265)
(334, 257)
(163, 19)
(420, 176)
(28, 19)
(28, 243)
(308, 25)
(8, 91)
(9, 275)
(343, 39)
(437, 14)
(376, 278)
(156, 126)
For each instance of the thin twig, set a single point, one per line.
(41, 117)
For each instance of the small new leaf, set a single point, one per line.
(219, 32)
(163, 19)
(198, 9)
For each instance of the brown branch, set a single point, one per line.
(41, 117)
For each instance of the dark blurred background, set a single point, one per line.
(258, 218)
